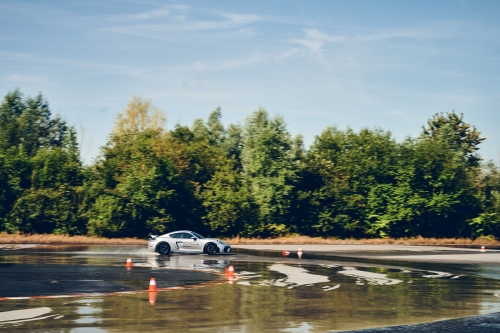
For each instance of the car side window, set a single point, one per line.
(186, 235)
(177, 235)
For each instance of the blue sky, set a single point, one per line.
(388, 64)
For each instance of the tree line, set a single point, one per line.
(252, 179)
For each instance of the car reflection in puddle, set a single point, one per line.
(184, 261)
(268, 294)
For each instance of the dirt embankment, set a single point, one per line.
(295, 239)
(65, 239)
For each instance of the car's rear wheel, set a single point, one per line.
(211, 249)
(163, 249)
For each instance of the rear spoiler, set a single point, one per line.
(152, 237)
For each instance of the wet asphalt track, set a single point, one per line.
(53, 279)
(477, 324)
(465, 259)
(86, 289)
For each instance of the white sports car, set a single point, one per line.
(186, 241)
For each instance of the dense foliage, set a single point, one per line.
(252, 179)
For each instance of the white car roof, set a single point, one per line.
(179, 231)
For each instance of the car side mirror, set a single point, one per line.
(194, 238)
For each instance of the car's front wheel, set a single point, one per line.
(211, 249)
(163, 249)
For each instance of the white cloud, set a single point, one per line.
(286, 54)
(32, 79)
(429, 31)
(226, 64)
(152, 14)
(17, 56)
(313, 45)
(316, 39)
(163, 31)
(232, 63)
(38, 59)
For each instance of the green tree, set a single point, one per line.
(47, 210)
(434, 195)
(9, 188)
(28, 122)
(142, 196)
(253, 180)
(487, 223)
(135, 187)
(234, 145)
(216, 131)
(342, 169)
(41, 168)
(461, 136)
(228, 203)
(269, 172)
(51, 204)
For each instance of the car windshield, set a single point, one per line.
(197, 235)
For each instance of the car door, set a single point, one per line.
(189, 244)
(177, 241)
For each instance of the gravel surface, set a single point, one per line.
(477, 324)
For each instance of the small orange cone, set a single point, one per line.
(129, 263)
(285, 253)
(152, 297)
(299, 253)
(152, 285)
(483, 249)
(230, 271)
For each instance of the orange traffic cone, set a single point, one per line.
(152, 285)
(299, 253)
(230, 271)
(152, 297)
(285, 253)
(129, 263)
(483, 249)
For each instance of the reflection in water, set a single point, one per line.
(240, 308)
(25, 315)
(369, 277)
(296, 276)
(86, 308)
(437, 275)
(187, 261)
(18, 246)
(88, 320)
(303, 328)
(88, 330)
(328, 288)
(266, 297)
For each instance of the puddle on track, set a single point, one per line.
(273, 296)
